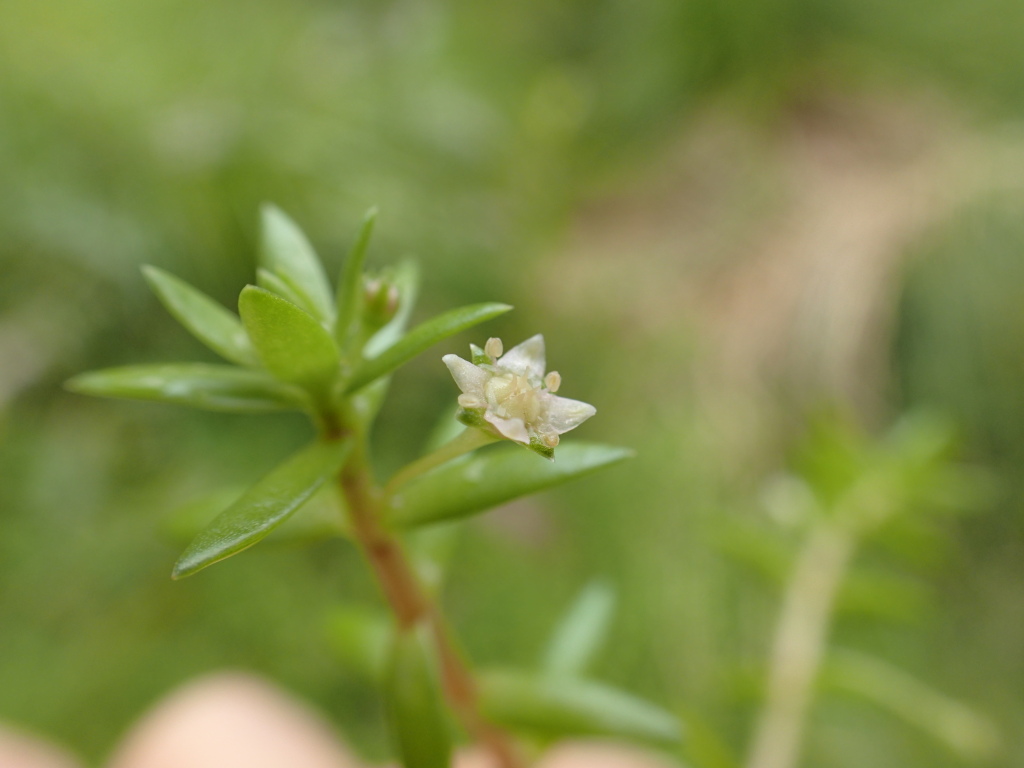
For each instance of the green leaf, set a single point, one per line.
(430, 548)
(581, 633)
(971, 735)
(208, 321)
(445, 429)
(557, 708)
(271, 282)
(350, 285)
(421, 338)
(362, 639)
(199, 385)
(264, 506)
(286, 251)
(414, 702)
(367, 402)
(492, 476)
(293, 346)
(321, 517)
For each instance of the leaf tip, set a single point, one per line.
(155, 278)
(180, 571)
(269, 210)
(75, 384)
(189, 564)
(191, 561)
(252, 293)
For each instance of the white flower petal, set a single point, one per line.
(563, 414)
(513, 429)
(513, 395)
(526, 359)
(470, 378)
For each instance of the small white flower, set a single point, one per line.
(513, 395)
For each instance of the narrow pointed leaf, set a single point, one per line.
(560, 708)
(414, 702)
(350, 284)
(293, 346)
(321, 517)
(286, 251)
(215, 326)
(361, 639)
(423, 337)
(210, 387)
(581, 633)
(960, 728)
(264, 506)
(493, 476)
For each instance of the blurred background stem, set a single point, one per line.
(799, 645)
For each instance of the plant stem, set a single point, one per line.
(468, 440)
(800, 638)
(412, 604)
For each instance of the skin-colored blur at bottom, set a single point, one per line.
(234, 720)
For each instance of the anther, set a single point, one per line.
(553, 381)
(550, 440)
(494, 348)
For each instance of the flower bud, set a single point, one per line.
(380, 302)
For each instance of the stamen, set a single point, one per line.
(550, 440)
(471, 401)
(494, 348)
(553, 381)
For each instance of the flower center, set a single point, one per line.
(513, 397)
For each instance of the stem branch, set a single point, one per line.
(468, 440)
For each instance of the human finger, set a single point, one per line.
(22, 750)
(600, 754)
(231, 720)
(575, 754)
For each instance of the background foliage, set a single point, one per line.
(724, 216)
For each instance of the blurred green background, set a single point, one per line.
(724, 216)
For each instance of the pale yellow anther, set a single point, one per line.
(553, 381)
(493, 348)
(471, 401)
(550, 440)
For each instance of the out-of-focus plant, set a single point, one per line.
(847, 489)
(300, 345)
